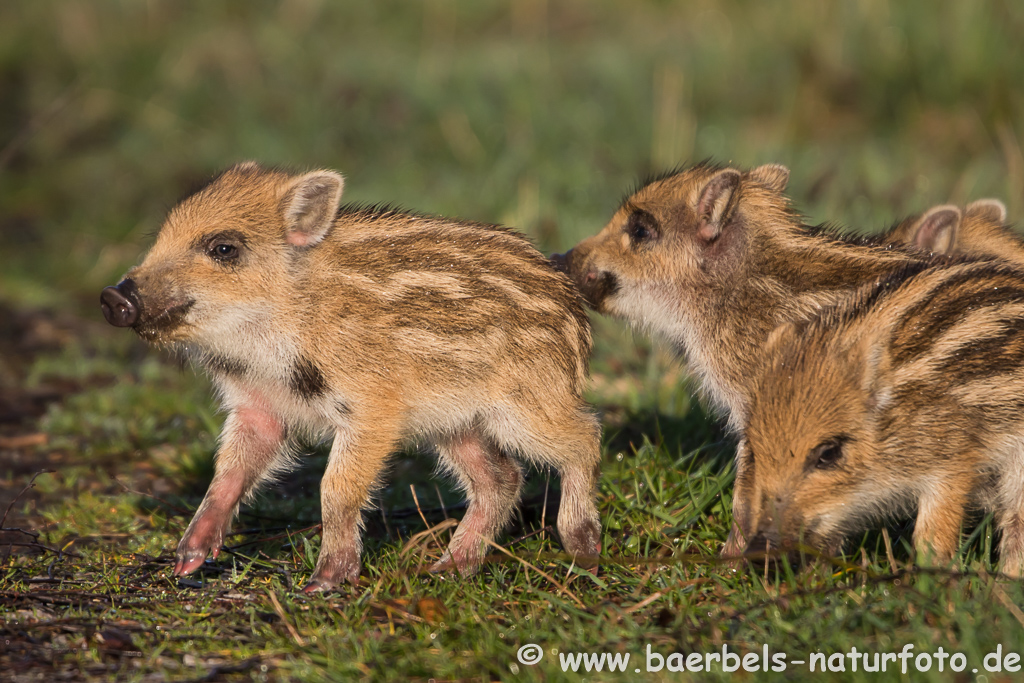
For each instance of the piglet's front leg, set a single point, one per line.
(735, 543)
(1011, 514)
(251, 444)
(743, 504)
(939, 517)
(357, 457)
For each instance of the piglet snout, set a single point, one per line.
(120, 304)
(759, 544)
(560, 262)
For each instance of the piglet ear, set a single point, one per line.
(716, 204)
(989, 209)
(936, 230)
(869, 350)
(772, 176)
(310, 206)
(783, 334)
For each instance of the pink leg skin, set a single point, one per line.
(492, 481)
(205, 534)
(250, 446)
(735, 544)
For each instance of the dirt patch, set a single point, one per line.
(25, 334)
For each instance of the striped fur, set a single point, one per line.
(377, 327)
(909, 396)
(716, 286)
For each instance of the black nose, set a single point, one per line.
(121, 304)
(759, 544)
(560, 262)
(768, 550)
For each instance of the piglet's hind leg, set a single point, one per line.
(577, 447)
(570, 440)
(579, 526)
(492, 481)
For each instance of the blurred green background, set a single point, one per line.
(533, 113)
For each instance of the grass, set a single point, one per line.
(535, 114)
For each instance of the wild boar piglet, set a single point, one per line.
(908, 398)
(378, 328)
(713, 259)
(978, 230)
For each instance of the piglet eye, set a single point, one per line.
(641, 227)
(827, 455)
(223, 251)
